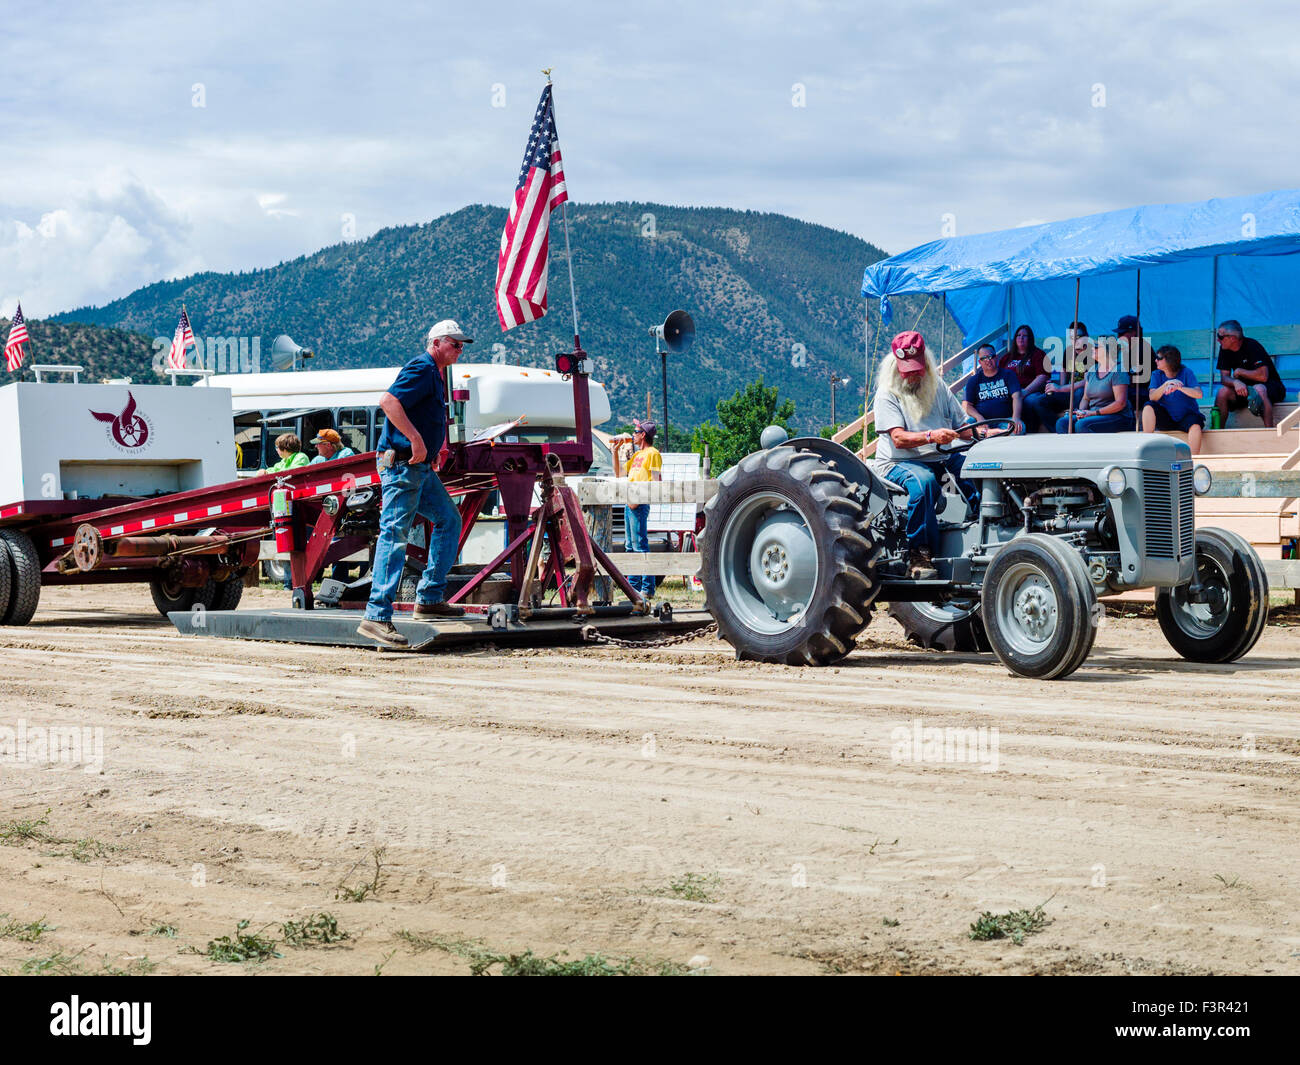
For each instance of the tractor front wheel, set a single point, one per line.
(1039, 607)
(1229, 613)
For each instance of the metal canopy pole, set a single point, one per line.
(866, 377)
(1137, 391)
(943, 327)
(663, 356)
(1214, 314)
(1073, 338)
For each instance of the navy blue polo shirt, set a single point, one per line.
(419, 389)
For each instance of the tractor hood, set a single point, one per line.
(1084, 454)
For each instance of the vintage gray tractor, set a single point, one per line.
(803, 537)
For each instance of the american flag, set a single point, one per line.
(17, 338)
(521, 265)
(181, 343)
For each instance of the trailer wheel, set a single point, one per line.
(952, 626)
(788, 559)
(168, 595)
(1038, 606)
(6, 577)
(24, 577)
(275, 570)
(221, 595)
(1235, 611)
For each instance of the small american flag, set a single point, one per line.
(522, 263)
(181, 343)
(17, 338)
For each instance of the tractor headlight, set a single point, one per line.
(1114, 482)
(1202, 479)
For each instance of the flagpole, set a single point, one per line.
(568, 251)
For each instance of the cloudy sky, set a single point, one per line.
(145, 141)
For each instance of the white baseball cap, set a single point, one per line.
(448, 328)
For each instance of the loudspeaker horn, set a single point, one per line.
(285, 353)
(677, 332)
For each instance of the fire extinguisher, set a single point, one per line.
(282, 517)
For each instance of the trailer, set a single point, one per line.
(136, 503)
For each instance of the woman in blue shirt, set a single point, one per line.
(1174, 392)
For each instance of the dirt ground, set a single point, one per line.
(660, 805)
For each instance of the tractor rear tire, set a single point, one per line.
(24, 578)
(942, 626)
(788, 559)
(1039, 607)
(1198, 631)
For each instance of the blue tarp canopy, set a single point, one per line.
(1225, 258)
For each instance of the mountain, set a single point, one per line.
(771, 296)
(102, 351)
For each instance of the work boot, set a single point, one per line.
(383, 633)
(430, 611)
(920, 566)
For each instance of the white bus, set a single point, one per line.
(266, 405)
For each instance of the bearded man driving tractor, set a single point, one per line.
(915, 412)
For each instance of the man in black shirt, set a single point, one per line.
(1248, 375)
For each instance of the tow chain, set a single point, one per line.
(593, 635)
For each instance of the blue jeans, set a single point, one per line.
(409, 490)
(637, 538)
(1098, 423)
(924, 494)
(1043, 410)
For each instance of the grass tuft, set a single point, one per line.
(370, 888)
(1014, 925)
(243, 946)
(313, 931)
(693, 887)
(24, 933)
(33, 829)
(482, 960)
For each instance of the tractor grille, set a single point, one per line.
(1186, 515)
(1169, 514)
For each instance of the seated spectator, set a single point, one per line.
(1249, 378)
(993, 393)
(329, 446)
(1174, 393)
(289, 448)
(1104, 407)
(1045, 407)
(1029, 362)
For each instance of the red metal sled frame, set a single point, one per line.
(242, 509)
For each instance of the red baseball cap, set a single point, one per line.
(909, 350)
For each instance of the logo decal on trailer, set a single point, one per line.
(129, 430)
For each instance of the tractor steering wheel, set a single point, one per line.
(959, 445)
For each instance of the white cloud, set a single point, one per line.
(111, 239)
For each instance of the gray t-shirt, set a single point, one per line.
(944, 413)
(1099, 391)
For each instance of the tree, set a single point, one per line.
(853, 443)
(744, 417)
